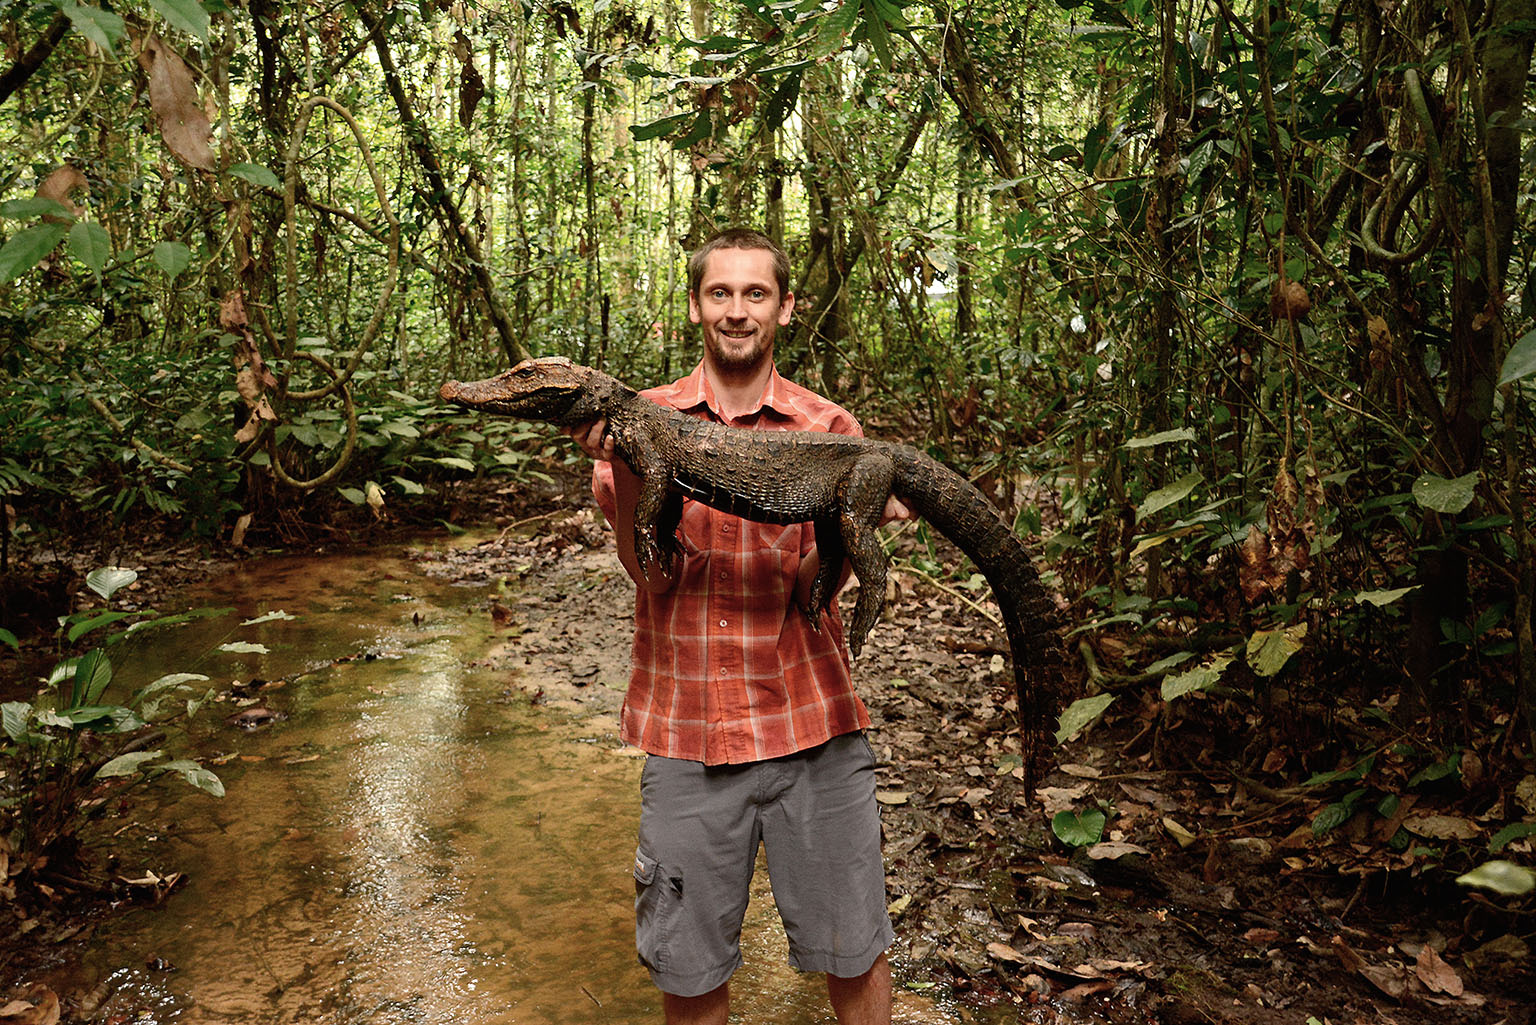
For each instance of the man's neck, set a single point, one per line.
(738, 392)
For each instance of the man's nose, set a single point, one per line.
(736, 308)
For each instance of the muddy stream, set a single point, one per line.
(410, 838)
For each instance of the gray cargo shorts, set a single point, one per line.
(815, 815)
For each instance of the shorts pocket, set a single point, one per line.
(657, 901)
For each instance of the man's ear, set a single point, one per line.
(786, 309)
(693, 306)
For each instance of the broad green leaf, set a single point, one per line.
(27, 248)
(1510, 833)
(172, 257)
(187, 15)
(1270, 650)
(88, 243)
(1332, 817)
(1078, 829)
(876, 32)
(80, 629)
(1520, 361)
(1199, 678)
(274, 616)
(103, 28)
(128, 764)
(835, 27)
(92, 675)
(1501, 877)
(456, 462)
(661, 126)
(1162, 498)
(244, 648)
(1380, 598)
(257, 175)
(196, 775)
(33, 208)
(782, 103)
(1080, 714)
(165, 683)
(408, 487)
(108, 580)
(6, 637)
(14, 716)
(1181, 434)
(1445, 496)
(353, 495)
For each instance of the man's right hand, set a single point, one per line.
(592, 438)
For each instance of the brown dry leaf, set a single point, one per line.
(1112, 849)
(184, 125)
(59, 184)
(232, 314)
(37, 1006)
(1442, 827)
(1435, 974)
(247, 386)
(1003, 952)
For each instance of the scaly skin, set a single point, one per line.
(835, 482)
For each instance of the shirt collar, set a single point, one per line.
(695, 392)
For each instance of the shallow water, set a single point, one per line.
(412, 843)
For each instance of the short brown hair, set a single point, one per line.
(738, 238)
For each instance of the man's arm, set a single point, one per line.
(593, 439)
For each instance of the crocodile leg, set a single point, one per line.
(657, 511)
(830, 550)
(861, 500)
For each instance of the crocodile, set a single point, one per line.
(835, 482)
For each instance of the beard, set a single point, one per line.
(738, 355)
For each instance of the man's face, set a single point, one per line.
(738, 308)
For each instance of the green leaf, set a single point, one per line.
(33, 208)
(353, 495)
(108, 580)
(782, 103)
(1162, 498)
(257, 175)
(835, 27)
(187, 15)
(1520, 361)
(1332, 817)
(1181, 434)
(92, 675)
(6, 637)
(1200, 678)
(408, 487)
(244, 648)
(196, 775)
(1269, 650)
(1501, 877)
(1445, 496)
(14, 717)
(28, 248)
(876, 32)
(661, 126)
(1080, 714)
(1510, 833)
(89, 244)
(127, 765)
(85, 626)
(455, 462)
(1078, 829)
(1381, 598)
(101, 27)
(172, 257)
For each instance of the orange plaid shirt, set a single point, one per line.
(725, 667)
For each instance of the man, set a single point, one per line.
(745, 708)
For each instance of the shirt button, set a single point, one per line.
(722, 622)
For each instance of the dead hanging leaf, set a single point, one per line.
(58, 186)
(184, 125)
(246, 384)
(1289, 300)
(1435, 974)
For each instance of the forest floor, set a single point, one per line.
(1208, 899)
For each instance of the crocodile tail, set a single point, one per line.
(962, 513)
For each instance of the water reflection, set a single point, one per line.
(409, 845)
